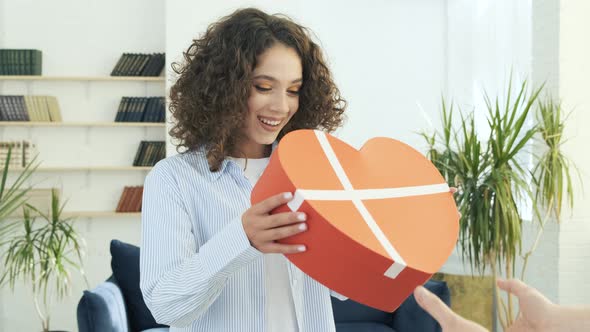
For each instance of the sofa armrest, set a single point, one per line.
(410, 317)
(102, 309)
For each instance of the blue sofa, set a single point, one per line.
(116, 305)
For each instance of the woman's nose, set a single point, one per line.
(280, 103)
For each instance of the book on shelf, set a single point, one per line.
(22, 153)
(149, 153)
(40, 198)
(141, 109)
(29, 108)
(139, 64)
(21, 62)
(12, 108)
(130, 200)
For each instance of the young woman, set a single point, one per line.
(209, 260)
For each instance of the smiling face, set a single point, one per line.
(274, 98)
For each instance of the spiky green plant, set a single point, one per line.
(43, 252)
(551, 174)
(14, 196)
(491, 180)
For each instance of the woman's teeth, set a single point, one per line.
(269, 122)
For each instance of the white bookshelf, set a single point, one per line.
(99, 214)
(79, 124)
(87, 169)
(84, 78)
(89, 138)
(71, 153)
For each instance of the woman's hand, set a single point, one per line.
(263, 229)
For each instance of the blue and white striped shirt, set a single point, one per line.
(198, 269)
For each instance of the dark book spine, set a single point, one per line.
(144, 160)
(161, 63)
(161, 152)
(136, 109)
(117, 67)
(29, 62)
(139, 153)
(150, 65)
(2, 65)
(161, 117)
(131, 102)
(141, 65)
(12, 112)
(148, 110)
(3, 108)
(119, 114)
(22, 110)
(142, 109)
(134, 64)
(37, 62)
(126, 64)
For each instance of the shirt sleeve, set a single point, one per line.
(338, 295)
(180, 278)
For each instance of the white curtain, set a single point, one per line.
(486, 41)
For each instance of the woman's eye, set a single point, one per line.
(293, 92)
(262, 88)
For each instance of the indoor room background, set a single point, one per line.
(393, 60)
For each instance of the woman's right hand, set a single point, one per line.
(263, 228)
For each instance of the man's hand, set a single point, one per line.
(448, 320)
(537, 313)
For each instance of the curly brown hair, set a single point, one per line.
(209, 99)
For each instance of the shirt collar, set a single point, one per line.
(225, 164)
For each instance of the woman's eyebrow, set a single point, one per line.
(270, 78)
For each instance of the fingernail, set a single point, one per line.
(301, 248)
(301, 216)
(302, 227)
(420, 293)
(288, 195)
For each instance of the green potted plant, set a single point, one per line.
(40, 249)
(552, 172)
(14, 196)
(493, 176)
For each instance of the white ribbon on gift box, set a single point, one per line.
(357, 196)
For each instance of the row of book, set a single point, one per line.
(22, 153)
(130, 200)
(141, 109)
(20, 62)
(135, 64)
(40, 198)
(149, 153)
(29, 108)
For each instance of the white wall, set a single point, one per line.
(574, 238)
(385, 55)
(543, 271)
(560, 54)
(82, 38)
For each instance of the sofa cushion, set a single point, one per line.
(410, 317)
(125, 266)
(364, 327)
(102, 309)
(350, 311)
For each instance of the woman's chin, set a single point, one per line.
(267, 138)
